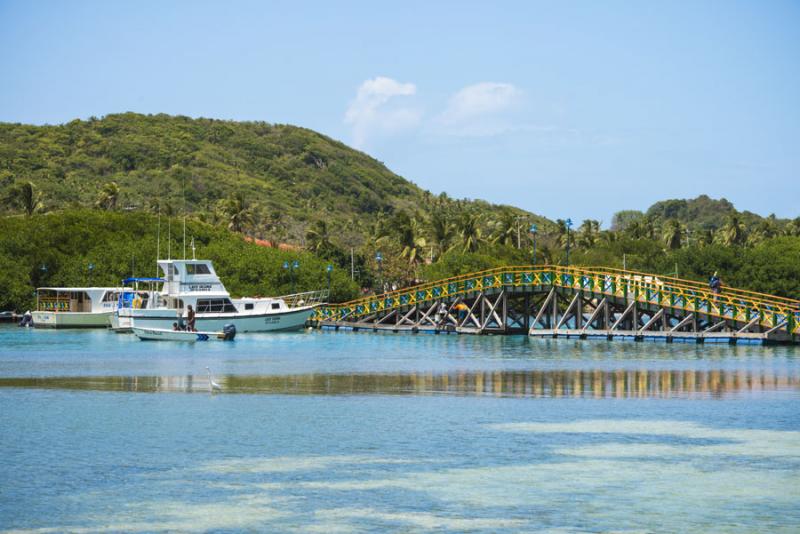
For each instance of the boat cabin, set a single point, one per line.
(77, 299)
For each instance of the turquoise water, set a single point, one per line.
(353, 432)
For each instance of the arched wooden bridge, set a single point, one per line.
(556, 301)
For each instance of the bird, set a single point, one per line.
(212, 386)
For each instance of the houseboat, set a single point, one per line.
(75, 307)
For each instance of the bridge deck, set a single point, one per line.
(553, 301)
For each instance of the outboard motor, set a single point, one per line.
(228, 332)
(27, 319)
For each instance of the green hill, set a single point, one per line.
(286, 177)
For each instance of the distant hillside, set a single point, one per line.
(284, 176)
(701, 212)
(698, 214)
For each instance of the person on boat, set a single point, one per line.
(175, 327)
(190, 319)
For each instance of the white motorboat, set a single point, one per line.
(195, 283)
(163, 334)
(141, 294)
(75, 307)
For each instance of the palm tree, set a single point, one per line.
(109, 195)
(441, 230)
(766, 229)
(317, 238)
(409, 236)
(734, 232)
(588, 233)
(469, 230)
(26, 198)
(237, 212)
(505, 230)
(673, 232)
(793, 227)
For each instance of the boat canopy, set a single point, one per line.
(129, 280)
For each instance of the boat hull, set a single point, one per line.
(65, 319)
(271, 322)
(160, 334)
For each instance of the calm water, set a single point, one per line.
(351, 432)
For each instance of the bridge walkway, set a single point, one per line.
(557, 301)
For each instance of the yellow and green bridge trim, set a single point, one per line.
(558, 301)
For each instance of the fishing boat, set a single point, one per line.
(75, 307)
(163, 334)
(195, 283)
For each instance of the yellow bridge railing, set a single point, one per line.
(732, 304)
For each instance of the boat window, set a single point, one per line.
(276, 305)
(173, 270)
(248, 306)
(197, 268)
(215, 306)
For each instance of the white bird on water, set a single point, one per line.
(212, 386)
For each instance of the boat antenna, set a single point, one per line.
(193, 249)
(184, 217)
(158, 238)
(169, 238)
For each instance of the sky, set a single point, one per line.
(566, 109)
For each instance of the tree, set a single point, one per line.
(108, 197)
(766, 229)
(505, 229)
(733, 232)
(25, 197)
(588, 233)
(622, 219)
(673, 232)
(409, 235)
(237, 212)
(469, 230)
(441, 230)
(317, 238)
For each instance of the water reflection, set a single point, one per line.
(540, 383)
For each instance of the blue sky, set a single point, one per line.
(568, 109)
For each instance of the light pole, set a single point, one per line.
(295, 266)
(568, 222)
(379, 259)
(533, 230)
(328, 271)
(91, 270)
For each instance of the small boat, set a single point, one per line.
(164, 334)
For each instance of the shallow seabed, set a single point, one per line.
(353, 432)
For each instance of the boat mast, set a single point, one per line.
(184, 217)
(158, 238)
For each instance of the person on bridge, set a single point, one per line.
(441, 313)
(715, 283)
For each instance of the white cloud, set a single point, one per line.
(479, 110)
(376, 110)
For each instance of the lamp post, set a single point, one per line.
(379, 259)
(91, 270)
(295, 266)
(286, 268)
(568, 222)
(533, 230)
(328, 271)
